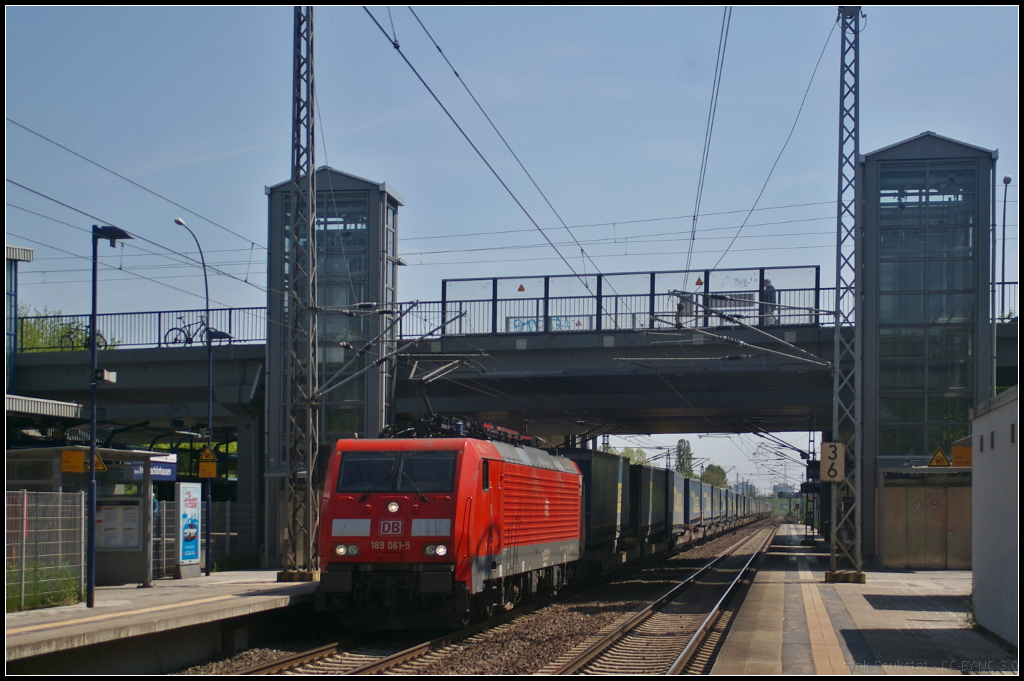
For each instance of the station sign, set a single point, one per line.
(833, 461)
(163, 472)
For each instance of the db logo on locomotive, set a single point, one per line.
(391, 527)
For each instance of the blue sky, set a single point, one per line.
(606, 107)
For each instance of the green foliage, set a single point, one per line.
(684, 459)
(635, 456)
(50, 331)
(42, 331)
(715, 475)
(45, 586)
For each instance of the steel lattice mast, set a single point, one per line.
(847, 386)
(301, 426)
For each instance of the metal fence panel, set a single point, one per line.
(236, 537)
(45, 544)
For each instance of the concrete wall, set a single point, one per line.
(996, 486)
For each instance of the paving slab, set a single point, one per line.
(906, 622)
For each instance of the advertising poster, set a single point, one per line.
(189, 511)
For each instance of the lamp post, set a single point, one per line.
(208, 483)
(112, 234)
(1002, 284)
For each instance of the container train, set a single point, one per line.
(433, 532)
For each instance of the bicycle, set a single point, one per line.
(76, 336)
(186, 334)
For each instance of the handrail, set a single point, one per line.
(604, 311)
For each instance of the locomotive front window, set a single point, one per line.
(367, 471)
(417, 472)
(427, 472)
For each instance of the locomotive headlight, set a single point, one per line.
(340, 549)
(435, 550)
(441, 550)
(393, 507)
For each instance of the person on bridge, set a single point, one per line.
(769, 311)
(684, 308)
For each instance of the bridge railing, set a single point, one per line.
(629, 301)
(172, 328)
(721, 306)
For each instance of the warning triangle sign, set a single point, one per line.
(207, 455)
(100, 466)
(939, 458)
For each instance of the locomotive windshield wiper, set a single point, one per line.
(388, 483)
(423, 497)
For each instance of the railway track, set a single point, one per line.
(663, 637)
(353, 658)
(527, 639)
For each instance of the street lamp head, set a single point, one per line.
(179, 221)
(109, 232)
(1007, 180)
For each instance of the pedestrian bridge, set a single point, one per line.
(702, 351)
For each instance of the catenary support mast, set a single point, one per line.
(301, 424)
(845, 539)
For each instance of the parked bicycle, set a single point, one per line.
(187, 334)
(76, 337)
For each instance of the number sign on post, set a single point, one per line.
(833, 461)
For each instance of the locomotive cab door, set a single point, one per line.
(487, 502)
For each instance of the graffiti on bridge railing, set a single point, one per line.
(555, 323)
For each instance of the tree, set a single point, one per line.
(715, 475)
(41, 331)
(684, 459)
(635, 456)
(51, 331)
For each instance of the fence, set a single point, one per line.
(175, 328)
(724, 298)
(236, 537)
(633, 301)
(45, 544)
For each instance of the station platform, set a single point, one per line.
(906, 622)
(208, 613)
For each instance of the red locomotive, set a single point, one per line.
(427, 532)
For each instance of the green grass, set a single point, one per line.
(45, 587)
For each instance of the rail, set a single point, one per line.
(608, 307)
(171, 328)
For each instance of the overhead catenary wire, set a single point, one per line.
(723, 38)
(500, 136)
(133, 182)
(792, 129)
(475, 148)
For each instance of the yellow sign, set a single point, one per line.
(100, 466)
(72, 461)
(207, 464)
(939, 459)
(962, 457)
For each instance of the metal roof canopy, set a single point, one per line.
(103, 452)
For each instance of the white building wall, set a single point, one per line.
(996, 563)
